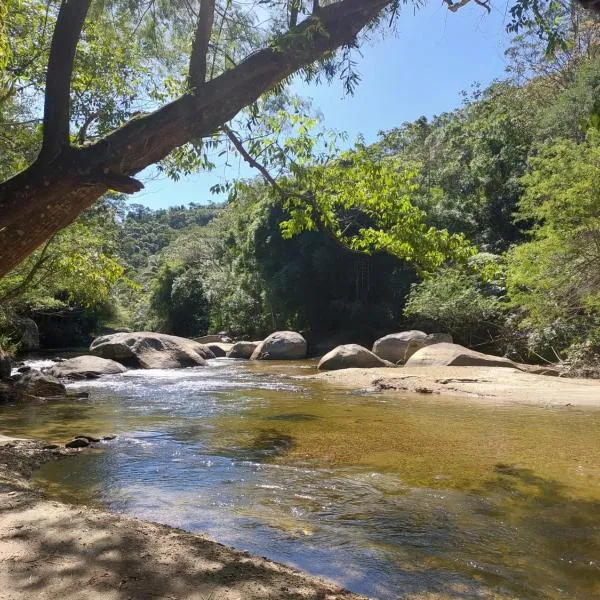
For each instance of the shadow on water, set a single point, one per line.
(264, 444)
(297, 417)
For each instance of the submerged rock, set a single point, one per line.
(78, 443)
(86, 367)
(399, 347)
(151, 350)
(454, 355)
(242, 349)
(281, 345)
(351, 356)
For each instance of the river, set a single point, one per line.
(390, 495)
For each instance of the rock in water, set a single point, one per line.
(351, 356)
(86, 367)
(454, 355)
(151, 350)
(281, 345)
(399, 347)
(242, 349)
(78, 443)
(37, 384)
(220, 349)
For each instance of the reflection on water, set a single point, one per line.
(393, 496)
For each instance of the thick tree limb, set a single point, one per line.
(67, 31)
(197, 70)
(44, 198)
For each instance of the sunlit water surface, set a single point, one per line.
(392, 496)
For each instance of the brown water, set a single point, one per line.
(394, 496)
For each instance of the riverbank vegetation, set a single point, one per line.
(481, 222)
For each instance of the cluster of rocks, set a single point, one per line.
(412, 349)
(113, 354)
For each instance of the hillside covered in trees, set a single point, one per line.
(481, 222)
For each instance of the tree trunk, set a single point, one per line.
(49, 195)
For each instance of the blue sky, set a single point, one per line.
(419, 71)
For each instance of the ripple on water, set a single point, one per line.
(389, 496)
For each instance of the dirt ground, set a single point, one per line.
(52, 551)
(489, 384)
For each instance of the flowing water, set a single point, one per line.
(393, 496)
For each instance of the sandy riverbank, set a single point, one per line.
(498, 385)
(50, 550)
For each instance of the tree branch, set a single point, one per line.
(308, 197)
(197, 69)
(67, 31)
(44, 198)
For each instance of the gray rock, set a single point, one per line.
(220, 349)
(242, 349)
(78, 443)
(38, 385)
(351, 356)
(399, 347)
(86, 367)
(281, 345)
(151, 350)
(454, 355)
(29, 334)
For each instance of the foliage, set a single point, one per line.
(457, 301)
(553, 278)
(364, 201)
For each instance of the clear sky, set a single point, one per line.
(420, 71)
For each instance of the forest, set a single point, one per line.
(481, 222)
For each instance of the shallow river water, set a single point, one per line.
(392, 496)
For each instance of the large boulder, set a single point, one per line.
(281, 345)
(29, 334)
(36, 384)
(151, 350)
(242, 349)
(454, 355)
(350, 356)
(86, 367)
(399, 347)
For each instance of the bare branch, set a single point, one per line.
(307, 197)
(197, 70)
(58, 78)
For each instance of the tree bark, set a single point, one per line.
(49, 195)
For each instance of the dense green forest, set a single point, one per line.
(481, 222)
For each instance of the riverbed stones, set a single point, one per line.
(243, 349)
(454, 355)
(147, 350)
(86, 367)
(281, 345)
(351, 356)
(399, 347)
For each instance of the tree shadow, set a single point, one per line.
(73, 554)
